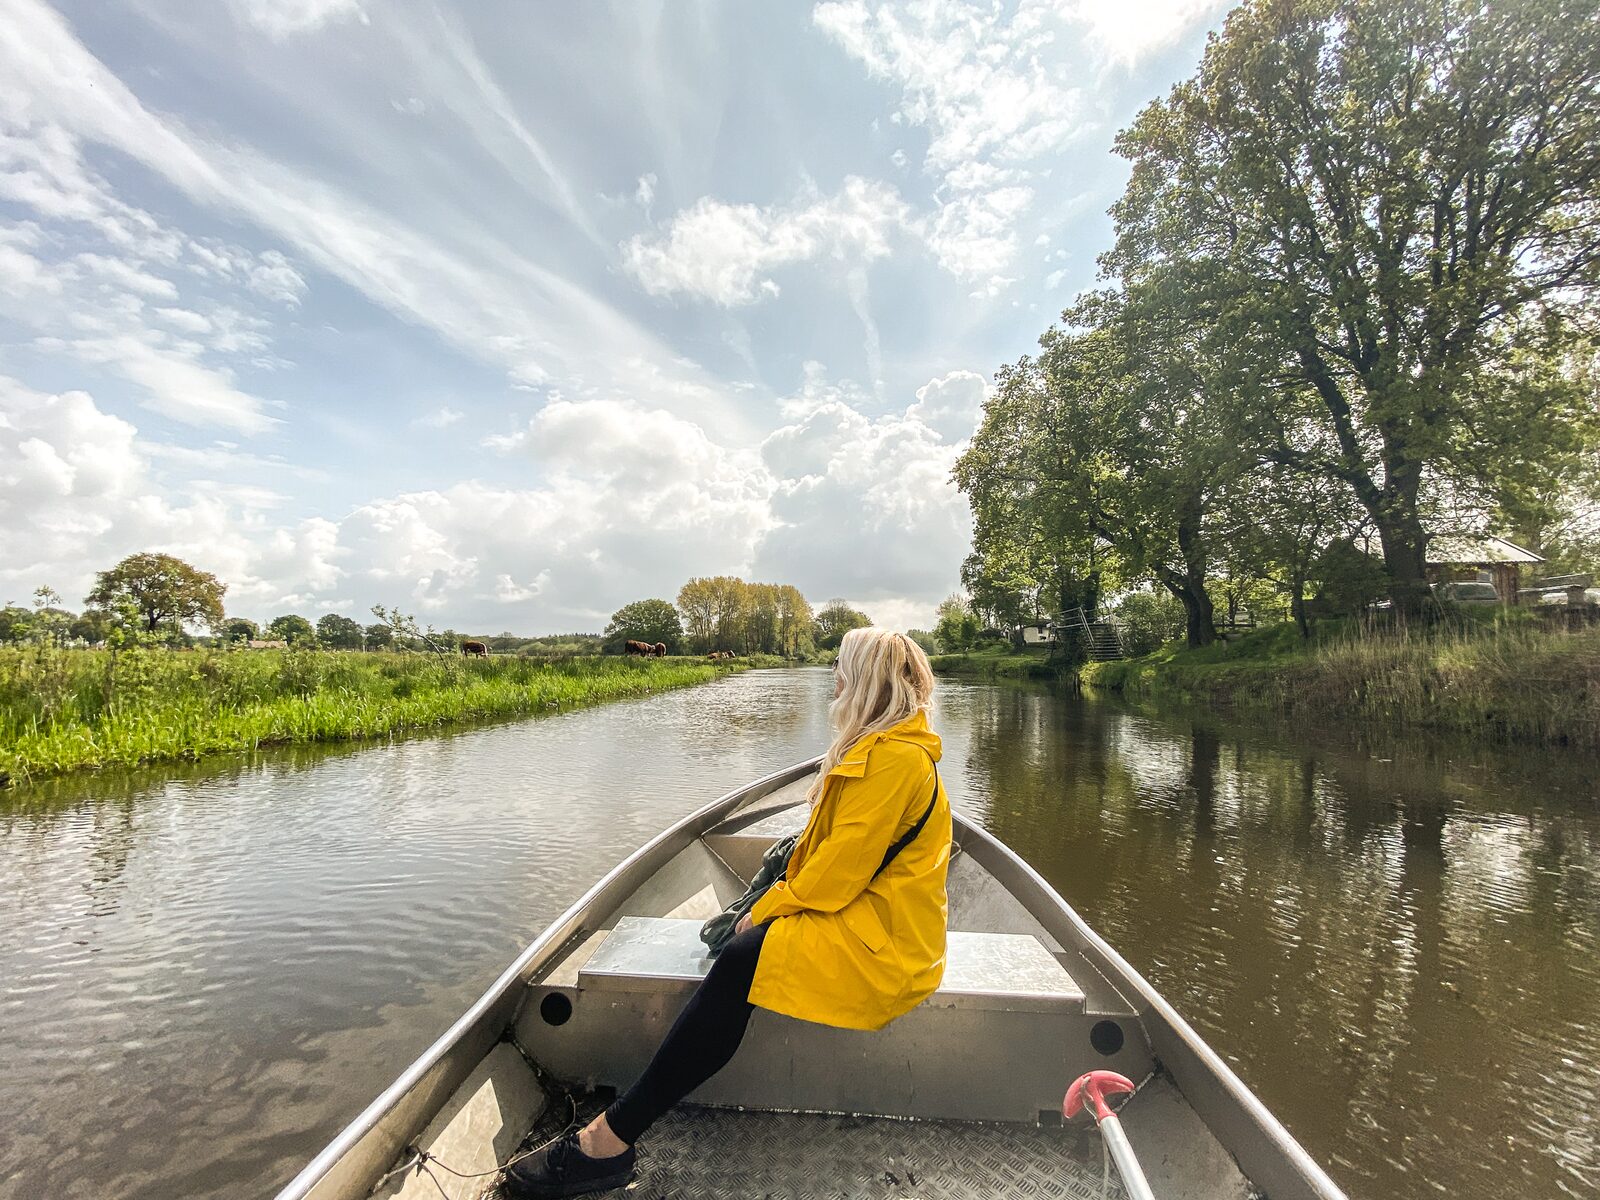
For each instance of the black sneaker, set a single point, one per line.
(562, 1169)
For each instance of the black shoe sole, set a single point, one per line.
(587, 1187)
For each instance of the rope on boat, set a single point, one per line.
(420, 1158)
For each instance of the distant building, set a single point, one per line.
(1040, 634)
(1483, 559)
(259, 644)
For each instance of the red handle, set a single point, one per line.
(1096, 1085)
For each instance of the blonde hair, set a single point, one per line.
(885, 679)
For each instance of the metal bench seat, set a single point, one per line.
(1004, 971)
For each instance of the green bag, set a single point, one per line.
(718, 931)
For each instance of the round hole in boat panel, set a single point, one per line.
(556, 1009)
(1106, 1037)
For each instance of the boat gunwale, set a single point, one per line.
(522, 969)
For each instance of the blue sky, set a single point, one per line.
(508, 314)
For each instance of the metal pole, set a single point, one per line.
(1133, 1180)
(1090, 1092)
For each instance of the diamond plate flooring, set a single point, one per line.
(719, 1154)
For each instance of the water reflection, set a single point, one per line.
(205, 971)
(1394, 945)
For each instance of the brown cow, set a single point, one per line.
(660, 649)
(643, 649)
(475, 649)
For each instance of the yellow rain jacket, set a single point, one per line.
(846, 949)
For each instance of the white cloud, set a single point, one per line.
(285, 18)
(865, 508)
(951, 405)
(1124, 31)
(479, 292)
(440, 418)
(77, 493)
(645, 193)
(723, 252)
(992, 99)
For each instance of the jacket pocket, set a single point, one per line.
(862, 920)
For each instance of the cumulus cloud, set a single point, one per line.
(630, 501)
(724, 252)
(77, 493)
(951, 404)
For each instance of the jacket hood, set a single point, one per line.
(913, 729)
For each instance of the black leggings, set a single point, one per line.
(700, 1042)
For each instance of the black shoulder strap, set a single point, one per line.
(911, 834)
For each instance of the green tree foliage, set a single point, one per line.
(338, 632)
(1117, 435)
(15, 622)
(162, 592)
(240, 629)
(958, 625)
(649, 621)
(92, 626)
(1147, 620)
(925, 639)
(723, 612)
(292, 628)
(1372, 212)
(378, 636)
(834, 620)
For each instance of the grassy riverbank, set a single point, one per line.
(66, 710)
(1510, 680)
(1000, 663)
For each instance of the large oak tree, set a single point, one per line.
(164, 592)
(1376, 209)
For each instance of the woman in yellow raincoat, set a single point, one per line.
(852, 936)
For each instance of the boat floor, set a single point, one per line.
(698, 1153)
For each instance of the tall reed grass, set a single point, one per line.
(1520, 681)
(64, 710)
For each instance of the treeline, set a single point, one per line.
(724, 612)
(156, 599)
(1349, 307)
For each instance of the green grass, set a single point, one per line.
(67, 710)
(1507, 677)
(1000, 662)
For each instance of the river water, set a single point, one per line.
(205, 972)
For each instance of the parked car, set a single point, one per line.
(1467, 593)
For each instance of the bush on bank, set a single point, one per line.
(1509, 679)
(63, 710)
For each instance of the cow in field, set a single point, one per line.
(642, 649)
(475, 649)
(660, 649)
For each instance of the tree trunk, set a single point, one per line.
(1199, 618)
(1404, 543)
(1297, 606)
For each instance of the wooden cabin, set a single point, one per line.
(1479, 559)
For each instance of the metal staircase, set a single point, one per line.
(1100, 639)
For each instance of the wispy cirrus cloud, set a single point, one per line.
(489, 298)
(992, 98)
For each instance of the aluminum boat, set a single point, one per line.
(959, 1098)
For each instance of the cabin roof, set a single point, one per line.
(1453, 550)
